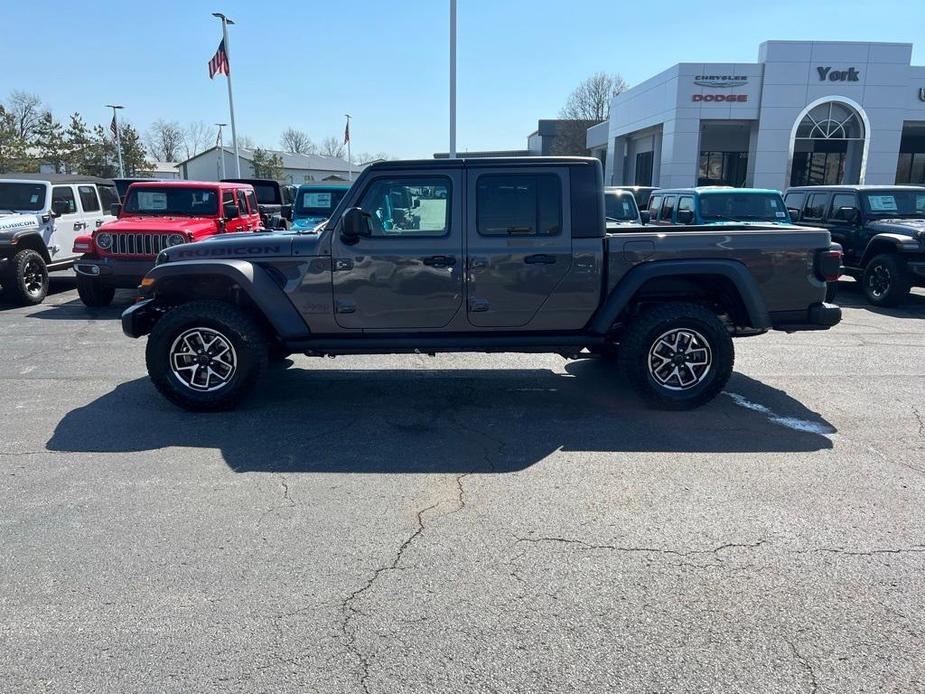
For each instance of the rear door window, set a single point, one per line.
(794, 202)
(252, 200)
(654, 204)
(667, 209)
(815, 206)
(519, 204)
(88, 200)
(108, 196)
(242, 202)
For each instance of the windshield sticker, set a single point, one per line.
(322, 200)
(781, 215)
(882, 203)
(152, 200)
(34, 199)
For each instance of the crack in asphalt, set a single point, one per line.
(918, 417)
(643, 550)
(806, 665)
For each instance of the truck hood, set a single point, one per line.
(11, 223)
(307, 223)
(165, 224)
(906, 227)
(244, 246)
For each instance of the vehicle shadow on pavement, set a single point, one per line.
(75, 309)
(438, 421)
(850, 295)
(56, 285)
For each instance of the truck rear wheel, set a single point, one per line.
(886, 280)
(94, 293)
(26, 282)
(677, 356)
(206, 355)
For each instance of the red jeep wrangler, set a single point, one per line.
(155, 216)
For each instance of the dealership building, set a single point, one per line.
(806, 113)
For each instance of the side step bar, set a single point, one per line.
(424, 344)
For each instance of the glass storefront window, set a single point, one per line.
(722, 169)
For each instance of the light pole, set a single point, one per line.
(452, 79)
(221, 147)
(234, 132)
(115, 132)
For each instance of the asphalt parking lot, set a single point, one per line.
(465, 523)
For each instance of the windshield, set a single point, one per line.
(743, 207)
(28, 197)
(318, 202)
(620, 207)
(894, 203)
(184, 202)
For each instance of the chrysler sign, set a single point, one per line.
(720, 81)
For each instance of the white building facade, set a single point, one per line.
(297, 168)
(806, 113)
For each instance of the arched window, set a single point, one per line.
(828, 145)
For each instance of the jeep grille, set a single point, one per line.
(138, 244)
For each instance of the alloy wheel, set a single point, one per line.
(879, 280)
(680, 359)
(203, 359)
(33, 277)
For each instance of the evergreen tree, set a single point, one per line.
(77, 144)
(49, 143)
(133, 152)
(12, 146)
(267, 165)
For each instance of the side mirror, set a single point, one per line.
(354, 224)
(849, 213)
(794, 213)
(286, 211)
(115, 209)
(229, 211)
(416, 204)
(60, 207)
(685, 216)
(645, 216)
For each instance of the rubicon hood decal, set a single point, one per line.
(16, 222)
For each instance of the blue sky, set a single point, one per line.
(305, 64)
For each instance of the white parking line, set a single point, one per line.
(790, 422)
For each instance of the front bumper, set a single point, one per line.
(819, 316)
(138, 319)
(114, 272)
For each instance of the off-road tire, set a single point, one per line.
(235, 326)
(26, 280)
(886, 280)
(643, 334)
(93, 293)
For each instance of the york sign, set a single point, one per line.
(827, 73)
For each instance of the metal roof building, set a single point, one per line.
(297, 168)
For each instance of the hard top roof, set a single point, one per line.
(700, 190)
(55, 178)
(189, 184)
(855, 187)
(487, 162)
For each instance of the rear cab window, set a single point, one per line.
(519, 205)
(88, 199)
(108, 197)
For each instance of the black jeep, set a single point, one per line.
(274, 201)
(881, 230)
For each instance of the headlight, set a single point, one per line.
(104, 241)
(176, 239)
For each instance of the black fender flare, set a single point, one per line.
(732, 270)
(899, 242)
(34, 236)
(256, 282)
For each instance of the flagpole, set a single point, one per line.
(221, 146)
(349, 155)
(452, 79)
(234, 132)
(118, 137)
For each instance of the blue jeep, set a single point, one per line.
(717, 205)
(315, 202)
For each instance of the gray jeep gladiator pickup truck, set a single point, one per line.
(501, 255)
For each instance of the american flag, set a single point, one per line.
(219, 62)
(113, 128)
(347, 133)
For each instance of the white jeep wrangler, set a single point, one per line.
(40, 216)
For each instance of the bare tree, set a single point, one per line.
(164, 140)
(246, 142)
(27, 110)
(591, 99)
(297, 142)
(197, 137)
(332, 147)
(367, 157)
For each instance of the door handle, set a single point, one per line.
(540, 259)
(79, 225)
(439, 260)
(99, 223)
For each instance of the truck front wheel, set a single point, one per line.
(206, 355)
(886, 280)
(677, 356)
(27, 278)
(94, 293)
